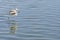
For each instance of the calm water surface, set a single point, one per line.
(37, 20)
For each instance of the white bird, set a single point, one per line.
(13, 12)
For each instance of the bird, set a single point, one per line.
(13, 12)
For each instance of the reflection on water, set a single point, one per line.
(13, 28)
(13, 25)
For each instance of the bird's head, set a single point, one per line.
(16, 9)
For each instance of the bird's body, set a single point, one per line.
(13, 12)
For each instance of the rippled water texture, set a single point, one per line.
(37, 20)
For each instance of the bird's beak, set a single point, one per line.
(18, 11)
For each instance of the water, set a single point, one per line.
(37, 20)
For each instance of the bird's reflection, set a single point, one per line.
(13, 28)
(12, 25)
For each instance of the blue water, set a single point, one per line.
(37, 20)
